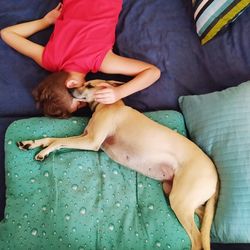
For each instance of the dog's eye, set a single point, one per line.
(90, 86)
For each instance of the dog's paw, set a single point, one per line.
(40, 157)
(23, 146)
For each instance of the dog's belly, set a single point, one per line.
(142, 162)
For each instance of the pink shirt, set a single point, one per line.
(82, 36)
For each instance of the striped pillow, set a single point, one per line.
(211, 16)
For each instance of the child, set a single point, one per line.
(82, 41)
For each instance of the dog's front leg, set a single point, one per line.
(31, 144)
(83, 142)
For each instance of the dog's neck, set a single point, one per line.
(94, 106)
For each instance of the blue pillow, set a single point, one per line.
(167, 39)
(220, 124)
(19, 74)
(162, 32)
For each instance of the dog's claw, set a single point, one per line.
(39, 158)
(19, 144)
(23, 146)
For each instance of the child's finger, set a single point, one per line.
(103, 91)
(59, 6)
(104, 84)
(102, 100)
(101, 96)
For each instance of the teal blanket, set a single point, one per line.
(82, 199)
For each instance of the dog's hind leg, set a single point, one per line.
(188, 193)
(200, 212)
(186, 196)
(185, 215)
(208, 219)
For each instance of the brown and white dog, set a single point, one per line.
(130, 138)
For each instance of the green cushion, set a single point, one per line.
(220, 123)
(82, 200)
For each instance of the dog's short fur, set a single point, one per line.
(135, 141)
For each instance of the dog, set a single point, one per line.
(130, 138)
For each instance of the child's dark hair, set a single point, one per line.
(52, 96)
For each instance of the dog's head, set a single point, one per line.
(86, 92)
(53, 97)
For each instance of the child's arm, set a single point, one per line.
(145, 74)
(16, 36)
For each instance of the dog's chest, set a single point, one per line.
(129, 156)
(118, 149)
(109, 141)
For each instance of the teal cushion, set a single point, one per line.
(83, 200)
(220, 124)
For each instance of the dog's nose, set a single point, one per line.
(71, 91)
(74, 92)
(78, 94)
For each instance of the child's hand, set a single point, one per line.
(108, 94)
(52, 16)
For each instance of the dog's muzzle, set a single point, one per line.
(76, 94)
